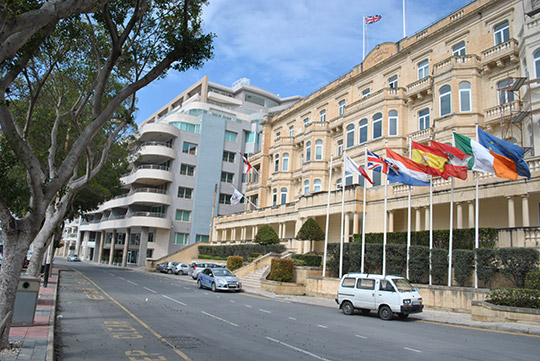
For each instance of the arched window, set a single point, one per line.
(308, 151)
(285, 166)
(459, 49)
(445, 100)
(276, 163)
(283, 195)
(501, 32)
(274, 197)
(423, 119)
(317, 185)
(465, 96)
(362, 131)
(306, 186)
(392, 122)
(536, 56)
(350, 135)
(377, 125)
(505, 96)
(423, 69)
(318, 149)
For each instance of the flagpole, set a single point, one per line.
(404, 30)
(476, 219)
(342, 218)
(364, 215)
(409, 217)
(363, 37)
(385, 217)
(450, 242)
(430, 225)
(327, 218)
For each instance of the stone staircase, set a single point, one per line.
(253, 280)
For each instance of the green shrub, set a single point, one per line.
(418, 263)
(235, 262)
(532, 280)
(243, 250)
(517, 262)
(396, 259)
(266, 235)
(281, 270)
(209, 256)
(309, 260)
(373, 258)
(463, 262)
(439, 266)
(310, 231)
(515, 297)
(487, 264)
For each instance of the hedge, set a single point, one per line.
(309, 260)
(235, 262)
(487, 264)
(517, 262)
(242, 250)
(463, 265)
(515, 297)
(532, 280)
(439, 266)
(281, 270)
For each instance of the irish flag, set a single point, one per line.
(483, 160)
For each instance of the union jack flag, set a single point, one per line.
(373, 19)
(378, 163)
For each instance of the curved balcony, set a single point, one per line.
(135, 219)
(145, 196)
(498, 55)
(455, 63)
(149, 174)
(158, 131)
(156, 152)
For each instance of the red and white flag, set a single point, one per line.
(373, 19)
(352, 167)
(247, 164)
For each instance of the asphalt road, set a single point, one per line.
(116, 314)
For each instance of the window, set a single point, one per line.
(338, 183)
(376, 178)
(283, 196)
(149, 253)
(445, 100)
(188, 127)
(306, 186)
(458, 49)
(230, 136)
(276, 163)
(341, 107)
(536, 56)
(318, 149)
(250, 137)
(151, 237)
(465, 96)
(505, 96)
(306, 122)
(182, 215)
(181, 238)
(255, 99)
(365, 93)
(349, 179)
(323, 115)
(340, 147)
(502, 33)
(392, 82)
(317, 185)
(201, 238)
(224, 198)
(423, 69)
(348, 282)
(186, 169)
(377, 126)
(350, 135)
(365, 284)
(285, 162)
(227, 177)
(228, 157)
(291, 131)
(362, 131)
(392, 122)
(274, 197)
(308, 151)
(184, 192)
(423, 119)
(189, 148)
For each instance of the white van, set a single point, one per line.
(388, 295)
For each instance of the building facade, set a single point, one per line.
(479, 65)
(183, 173)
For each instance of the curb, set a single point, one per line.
(52, 322)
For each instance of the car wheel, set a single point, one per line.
(403, 316)
(199, 283)
(347, 308)
(385, 313)
(214, 289)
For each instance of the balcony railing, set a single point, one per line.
(454, 62)
(146, 214)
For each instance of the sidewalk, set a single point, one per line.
(37, 339)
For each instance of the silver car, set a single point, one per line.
(181, 269)
(219, 279)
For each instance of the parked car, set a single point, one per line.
(181, 269)
(160, 266)
(73, 258)
(218, 278)
(388, 295)
(197, 267)
(168, 267)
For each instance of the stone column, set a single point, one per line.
(525, 210)
(111, 251)
(471, 214)
(418, 219)
(284, 230)
(280, 230)
(346, 231)
(459, 215)
(233, 235)
(126, 247)
(101, 244)
(242, 233)
(511, 213)
(356, 222)
(253, 232)
(65, 247)
(390, 221)
(426, 219)
(143, 247)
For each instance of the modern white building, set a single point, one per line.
(184, 172)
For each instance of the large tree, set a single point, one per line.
(112, 50)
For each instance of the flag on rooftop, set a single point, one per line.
(373, 19)
(457, 164)
(352, 167)
(433, 158)
(236, 196)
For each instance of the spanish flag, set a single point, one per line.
(434, 159)
(457, 164)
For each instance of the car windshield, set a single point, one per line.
(403, 285)
(223, 273)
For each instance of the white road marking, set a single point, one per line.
(322, 326)
(265, 311)
(360, 336)
(220, 319)
(172, 299)
(111, 274)
(122, 278)
(232, 301)
(411, 349)
(249, 306)
(148, 289)
(298, 349)
(292, 318)
(133, 283)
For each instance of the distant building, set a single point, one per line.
(187, 150)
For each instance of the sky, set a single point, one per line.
(292, 47)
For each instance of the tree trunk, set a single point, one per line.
(40, 247)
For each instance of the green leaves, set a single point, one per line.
(310, 231)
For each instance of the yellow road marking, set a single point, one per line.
(159, 337)
(481, 329)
